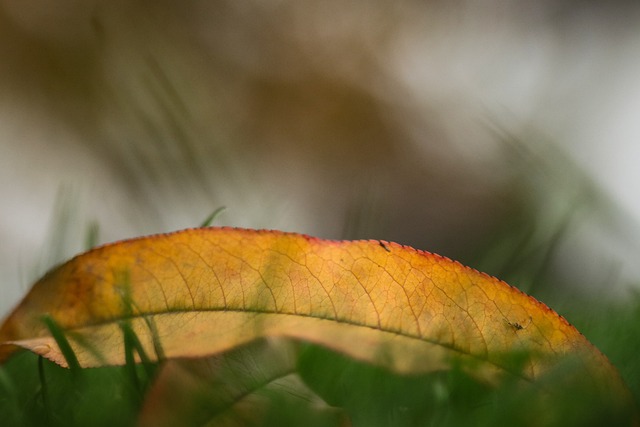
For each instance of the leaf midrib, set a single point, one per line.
(403, 334)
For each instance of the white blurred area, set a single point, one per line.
(146, 117)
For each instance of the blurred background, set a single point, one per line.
(503, 134)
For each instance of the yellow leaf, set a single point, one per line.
(200, 292)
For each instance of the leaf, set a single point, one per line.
(200, 292)
(243, 387)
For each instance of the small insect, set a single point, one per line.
(518, 326)
(384, 246)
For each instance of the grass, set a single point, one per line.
(37, 392)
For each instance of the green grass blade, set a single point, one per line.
(65, 348)
(209, 220)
